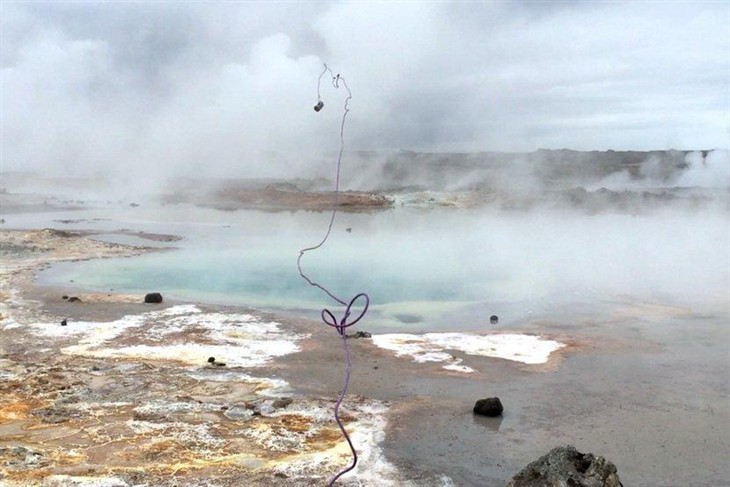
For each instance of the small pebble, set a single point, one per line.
(211, 360)
(64, 322)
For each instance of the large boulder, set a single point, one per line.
(565, 466)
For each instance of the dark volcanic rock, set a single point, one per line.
(490, 406)
(153, 298)
(64, 322)
(566, 466)
(74, 299)
(494, 319)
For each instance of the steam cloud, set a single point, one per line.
(171, 88)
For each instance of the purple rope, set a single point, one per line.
(327, 316)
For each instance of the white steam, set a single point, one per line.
(140, 91)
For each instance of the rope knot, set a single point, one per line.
(329, 318)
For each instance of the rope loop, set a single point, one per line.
(329, 318)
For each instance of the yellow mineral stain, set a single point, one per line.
(18, 410)
(295, 422)
(325, 438)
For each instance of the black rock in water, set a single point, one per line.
(494, 319)
(565, 465)
(490, 406)
(64, 323)
(64, 297)
(74, 299)
(153, 298)
(211, 360)
(362, 334)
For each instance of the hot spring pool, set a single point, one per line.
(424, 270)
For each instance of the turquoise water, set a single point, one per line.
(436, 269)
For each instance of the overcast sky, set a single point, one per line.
(173, 86)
